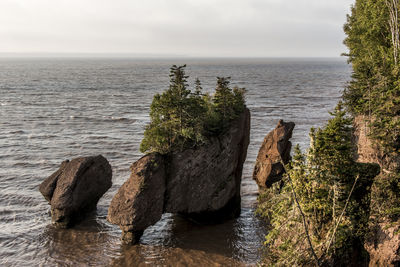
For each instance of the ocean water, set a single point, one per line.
(57, 109)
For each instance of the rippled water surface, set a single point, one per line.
(57, 109)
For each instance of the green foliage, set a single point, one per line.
(180, 118)
(373, 40)
(375, 87)
(333, 190)
(323, 180)
(385, 195)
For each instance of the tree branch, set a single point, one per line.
(303, 217)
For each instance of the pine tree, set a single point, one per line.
(198, 88)
(373, 40)
(223, 98)
(181, 119)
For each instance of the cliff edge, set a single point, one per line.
(383, 242)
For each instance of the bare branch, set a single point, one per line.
(317, 261)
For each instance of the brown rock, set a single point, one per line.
(383, 245)
(48, 186)
(76, 187)
(368, 151)
(275, 149)
(201, 183)
(383, 242)
(140, 200)
(204, 183)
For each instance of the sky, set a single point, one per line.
(181, 28)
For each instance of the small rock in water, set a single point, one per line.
(75, 188)
(274, 150)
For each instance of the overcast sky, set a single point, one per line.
(205, 28)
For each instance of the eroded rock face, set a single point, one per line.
(367, 151)
(275, 149)
(384, 245)
(201, 183)
(75, 188)
(140, 200)
(383, 242)
(204, 183)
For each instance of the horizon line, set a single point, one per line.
(147, 56)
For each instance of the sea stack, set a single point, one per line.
(75, 188)
(202, 183)
(274, 151)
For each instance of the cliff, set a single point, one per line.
(383, 242)
(368, 151)
(202, 183)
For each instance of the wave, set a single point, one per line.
(102, 119)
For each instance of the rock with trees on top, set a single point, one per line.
(196, 144)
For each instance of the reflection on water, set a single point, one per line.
(150, 255)
(88, 243)
(173, 241)
(52, 110)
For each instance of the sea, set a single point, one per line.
(53, 109)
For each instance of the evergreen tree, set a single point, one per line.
(223, 99)
(238, 99)
(197, 89)
(181, 119)
(179, 96)
(373, 40)
(197, 113)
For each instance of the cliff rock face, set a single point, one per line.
(202, 183)
(367, 151)
(275, 148)
(76, 187)
(384, 245)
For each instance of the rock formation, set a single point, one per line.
(201, 183)
(383, 242)
(75, 188)
(274, 150)
(367, 151)
(139, 202)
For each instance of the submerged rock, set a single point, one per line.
(274, 150)
(201, 183)
(75, 188)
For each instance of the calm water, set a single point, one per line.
(57, 109)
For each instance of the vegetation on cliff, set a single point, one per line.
(180, 118)
(323, 210)
(319, 212)
(373, 40)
